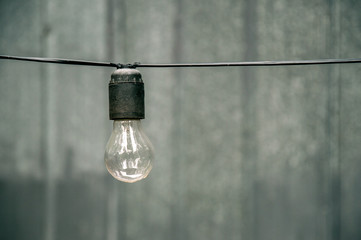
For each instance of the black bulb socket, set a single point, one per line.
(126, 95)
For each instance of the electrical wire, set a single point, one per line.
(60, 61)
(173, 65)
(257, 63)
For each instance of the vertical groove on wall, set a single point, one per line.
(124, 29)
(177, 230)
(249, 124)
(46, 135)
(334, 124)
(109, 29)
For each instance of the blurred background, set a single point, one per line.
(241, 153)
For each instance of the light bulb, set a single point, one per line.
(129, 153)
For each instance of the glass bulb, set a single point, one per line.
(129, 153)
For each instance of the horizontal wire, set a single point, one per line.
(256, 63)
(60, 61)
(172, 65)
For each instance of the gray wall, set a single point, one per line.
(241, 153)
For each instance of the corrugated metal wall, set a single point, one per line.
(241, 153)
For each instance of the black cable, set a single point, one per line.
(258, 63)
(61, 61)
(171, 65)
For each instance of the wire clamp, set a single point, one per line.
(127, 65)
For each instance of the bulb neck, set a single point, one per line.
(125, 123)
